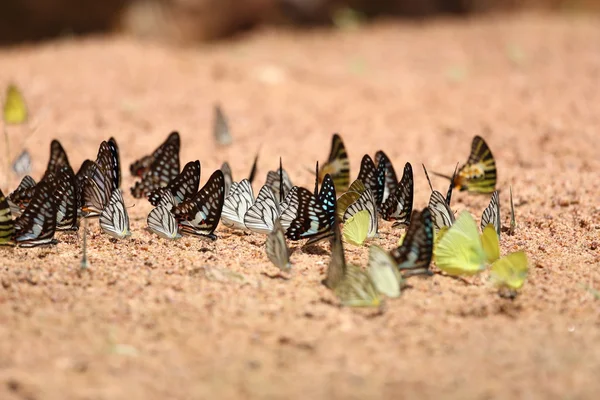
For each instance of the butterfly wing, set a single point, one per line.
(337, 165)
(479, 172)
(263, 214)
(108, 159)
(491, 214)
(37, 224)
(237, 204)
(491, 244)
(15, 109)
(356, 228)
(114, 219)
(383, 272)
(97, 191)
(7, 225)
(510, 271)
(226, 169)
(162, 222)
(337, 263)
(441, 213)
(365, 202)
(357, 289)
(221, 130)
(200, 215)
(413, 257)
(22, 164)
(276, 247)
(21, 196)
(65, 198)
(279, 181)
(183, 187)
(140, 167)
(460, 251)
(163, 169)
(391, 180)
(398, 206)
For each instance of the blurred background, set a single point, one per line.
(194, 21)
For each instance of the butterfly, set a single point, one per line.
(237, 204)
(289, 206)
(398, 205)
(163, 167)
(114, 219)
(7, 226)
(383, 272)
(336, 268)
(356, 228)
(373, 177)
(490, 243)
(337, 165)
(460, 251)
(15, 109)
(491, 214)
(201, 214)
(279, 182)
(65, 197)
(226, 169)
(37, 224)
(391, 180)
(109, 160)
(276, 248)
(413, 256)
(357, 289)
(22, 164)
(263, 214)
(221, 127)
(343, 202)
(441, 213)
(58, 158)
(140, 167)
(97, 190)
(183, 187)
(315, 216)
(366, 202)
(22, 195)
(162, 222)
(510, 272)
(513, 222)
(478, 174)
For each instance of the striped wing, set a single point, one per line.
(226, 169)
(37, 224)
(264, 213)
(65, 197)
(391, 180)
(182, 188)
(237, 204)
(96, 191)
(366, 201)
(114, 219)
(21, 196)
(413, 257)
(337, 165)
(139, 167)
(276, 248)
(441, 213)
(162, 222)
(398, 207)
(279, 181)
(479, 172)
(491, 214)
(373, 177)
(7, 225)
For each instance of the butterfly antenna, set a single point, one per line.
(280, 181)
(253, 169)
(427, 175)
(84, 261)
(449, 193)
(317, 180)
(513, 222)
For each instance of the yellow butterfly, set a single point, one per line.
(337, 165)
(491, 243)
(356, 228)
(510, 272)
(460, 250)
(15, 110)
(478, 174)
(384, 272)
(354, 191)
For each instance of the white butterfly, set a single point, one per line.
(262, 215)
(114, 219)
(235, 206)
(162, 222)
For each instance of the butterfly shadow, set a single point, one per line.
(312, 249)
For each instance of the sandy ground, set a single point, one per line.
(198, 319)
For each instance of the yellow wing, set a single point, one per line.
(356, 228)
(491, 244)
(510, 271)
(15, 110)
(337, 165)
(479, 172)
(357, 289)
(7, 225)
(384, 272)
(459, 251)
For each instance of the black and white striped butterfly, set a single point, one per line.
(263, 214)
(391, 180)
(398, 206)
(97, 190)
(201, 214)
(21, 196)
(139, 167)
(279, 182)
(289, 206)
(162, 222)
(114, 219)
(316, 215)
(7, 225)
(65, 197)
(441, 214)
(221, 127)
(22, 164)
(58, 158)
(373, 177)
(491, 214)
(37, 224)
(366, 201)
(414, 255)
(109, 160)
(183, 187)
(277, 249)
(235, 206)
(162, 169)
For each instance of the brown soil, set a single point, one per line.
(153, 319)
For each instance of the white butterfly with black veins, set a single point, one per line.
(398, 205)
(65, 198)
(366, 201)
(37, 224)
(240, 199)
(491, 214)
(162, 222)
(277, 249)
(279, 182)
(22, 164)
(263, 214)
(114, 219)
(441, 213)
